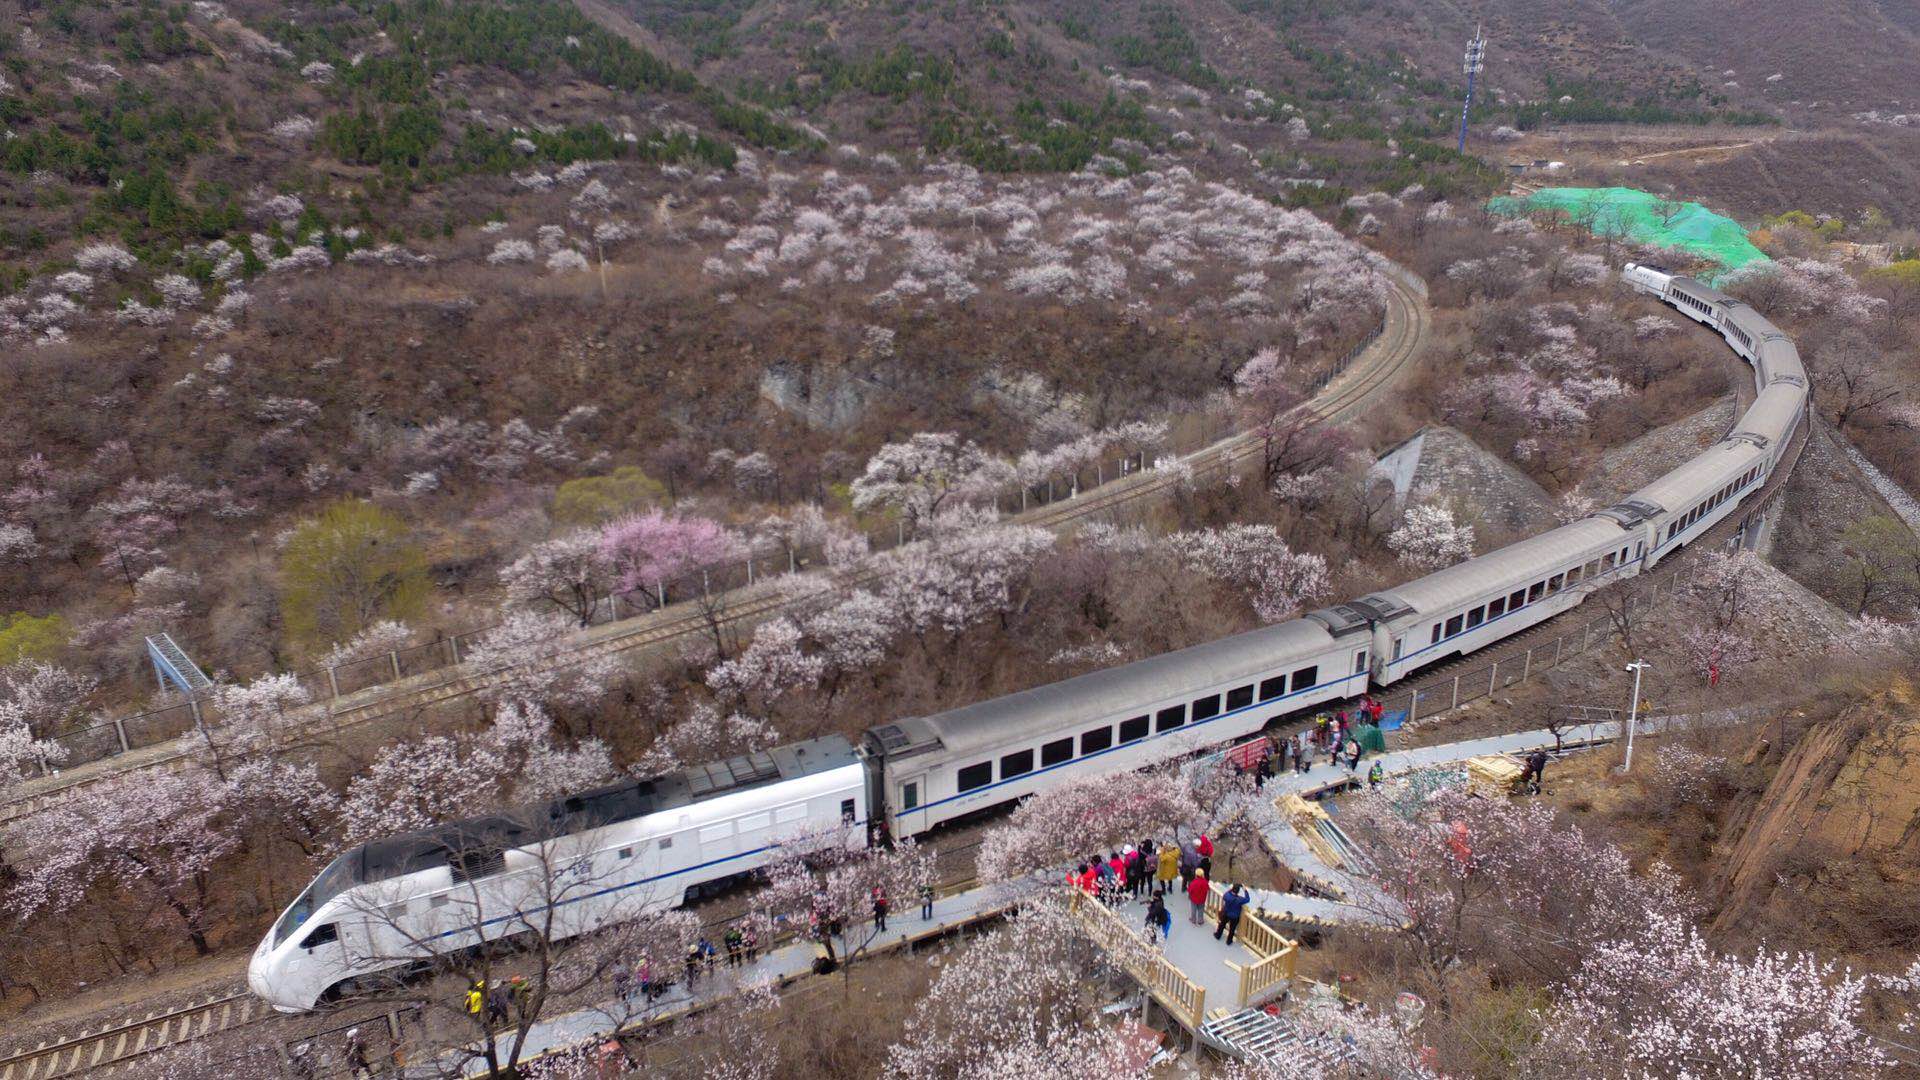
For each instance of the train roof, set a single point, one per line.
(411, 852)
(1456, 586)
(1105, 693)
(1702, 474)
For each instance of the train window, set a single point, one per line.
(1055, 752)
(1496, 607)
(1092, 742)
(1476, 616)
(846, 811)
(1553, 583)
(1454, 624)
(1305, 677)
(1399, 644)
(1168, 719)
(910, 796)
(1239, 697)
(1206, 708)
(1517, 599)
(1607, 563)
(321, 935)
(626, 853)
(395, 911)
(1573, 576)
(442, 901)
(1133, 730)
(666, 842)
(977, 775)
(1592, 568)
(1018, 763)
(1536, 590)
(1436, 634)
(1360, 662)
(1273, 688)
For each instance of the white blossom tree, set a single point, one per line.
(1428, 538)
(1254, 558)
(570, 571)
(925, 475)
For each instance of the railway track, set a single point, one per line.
(1403, 332)
(117, 1044)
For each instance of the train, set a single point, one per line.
(642, 845)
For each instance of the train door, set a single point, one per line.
(909, 804)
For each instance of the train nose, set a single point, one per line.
(257, 974)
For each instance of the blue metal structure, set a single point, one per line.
(171, 664)
(1476, 59)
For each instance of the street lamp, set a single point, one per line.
(1633, 711)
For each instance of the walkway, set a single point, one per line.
(782, 965)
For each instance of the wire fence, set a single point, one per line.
(109, 738)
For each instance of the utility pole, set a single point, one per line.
(1476, 60)
(1633, 711)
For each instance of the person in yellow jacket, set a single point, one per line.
(1169, 867)
(477, 996)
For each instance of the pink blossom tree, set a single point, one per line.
(651, 550)
(1063, 824)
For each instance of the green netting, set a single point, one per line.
(1694, 229)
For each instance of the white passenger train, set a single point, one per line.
(610, 854)
(395, 902)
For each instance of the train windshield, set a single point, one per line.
(332, 881)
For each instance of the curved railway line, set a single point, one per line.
(1404, 330)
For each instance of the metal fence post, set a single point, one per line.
(333, 681)
(1526, 666)
(1493, 677)
(453, 644)
(1456, 691)
(394, 657)
(1557, 642)
(1413, 704)
(120, 729)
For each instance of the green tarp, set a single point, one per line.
(1370, 738)
(1694, 229)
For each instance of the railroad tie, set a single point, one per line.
(99, 1051)
(120, 1045)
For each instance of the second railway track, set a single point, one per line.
(1403, 331)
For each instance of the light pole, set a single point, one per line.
(1633, 711)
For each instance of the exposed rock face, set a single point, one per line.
(1834, 842)
(830, 401)
(1499, 497)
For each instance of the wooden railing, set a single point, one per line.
(1276, 954)
(1179, 995)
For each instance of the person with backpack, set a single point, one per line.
(926, 902)
(1536, 770)
(1375, 775)
(1232, 902)
(879, 909)
(1158, 920)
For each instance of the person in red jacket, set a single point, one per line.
(1205, 846)
(1197, 895)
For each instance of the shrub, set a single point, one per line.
(349, 568)
(591, 500)
(29, 637)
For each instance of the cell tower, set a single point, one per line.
(1476, 59)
